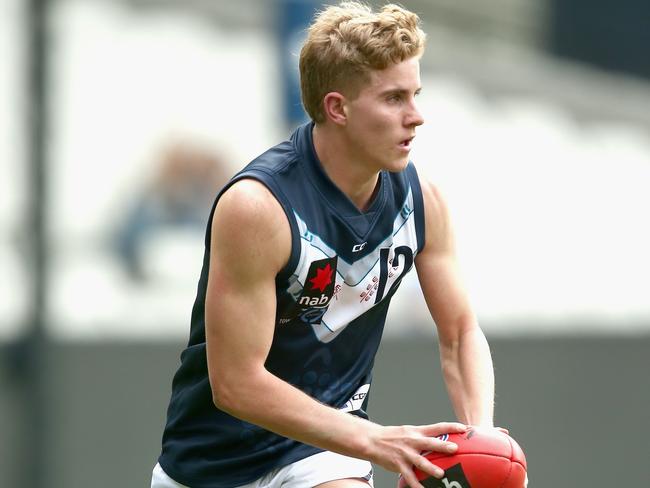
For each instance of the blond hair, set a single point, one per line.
(346, 42)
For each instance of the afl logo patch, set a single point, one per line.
(318, 289)
(443, 437)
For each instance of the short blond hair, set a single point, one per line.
(346, 42)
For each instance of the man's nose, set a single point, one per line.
(414, 117)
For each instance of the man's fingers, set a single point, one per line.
(430, 440)
(410, 480)
(442, 428)
(433, 431)
(423, 465)
(435, 444)
(426, 466)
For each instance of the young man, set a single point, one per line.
(304, 250)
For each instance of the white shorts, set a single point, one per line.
(311, 471)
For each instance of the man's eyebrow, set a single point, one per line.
(399, 91)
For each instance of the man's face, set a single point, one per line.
(381, 120)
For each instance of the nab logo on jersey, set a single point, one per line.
(319, 285)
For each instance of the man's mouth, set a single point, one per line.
(406, 143)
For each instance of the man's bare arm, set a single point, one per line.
(464, 351)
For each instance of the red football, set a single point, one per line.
(486, 458)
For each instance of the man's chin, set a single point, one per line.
(398, 165)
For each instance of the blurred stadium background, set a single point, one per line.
(120, 116)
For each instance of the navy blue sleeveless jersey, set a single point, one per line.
(332, 299)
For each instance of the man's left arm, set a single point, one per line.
(464, 352)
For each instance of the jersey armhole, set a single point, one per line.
(418, 201)
(268, 182)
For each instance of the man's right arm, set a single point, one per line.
(251, 243)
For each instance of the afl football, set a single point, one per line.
(486, 458)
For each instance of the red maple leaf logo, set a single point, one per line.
(322, 279)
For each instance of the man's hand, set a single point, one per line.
(399, 448)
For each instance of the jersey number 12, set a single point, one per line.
(384, 253)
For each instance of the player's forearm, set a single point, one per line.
(265, 400)
(469, 376)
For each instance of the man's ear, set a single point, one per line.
(334, 108)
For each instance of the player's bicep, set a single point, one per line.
(250, 244)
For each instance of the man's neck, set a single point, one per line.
(358, 182)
